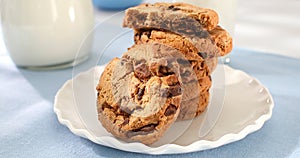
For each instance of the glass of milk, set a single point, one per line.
(47, 34)
(226, 10)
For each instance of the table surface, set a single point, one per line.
(29, 127)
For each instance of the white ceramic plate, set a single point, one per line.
(247, 105)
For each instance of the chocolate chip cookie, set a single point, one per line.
(139, 94)
(182, 18)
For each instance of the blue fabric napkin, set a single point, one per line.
(29, 127)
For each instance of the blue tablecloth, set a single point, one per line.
(29, 127)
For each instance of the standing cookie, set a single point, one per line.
(139, 94)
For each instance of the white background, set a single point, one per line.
(269, 25)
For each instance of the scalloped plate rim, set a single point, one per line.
(195, 146)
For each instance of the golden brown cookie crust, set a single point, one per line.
(222, 39)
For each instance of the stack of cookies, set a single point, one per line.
(165, 76)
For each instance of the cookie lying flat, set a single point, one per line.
(181, 17)
(189, 109)
(222, 39)
(139, 95)
(147, 16)
(195, 98)
(195, 88)
(197, 56)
